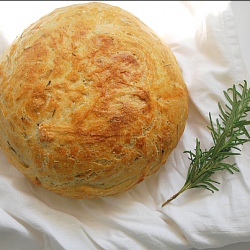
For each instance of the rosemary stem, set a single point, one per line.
(185, 187)
(226, 133)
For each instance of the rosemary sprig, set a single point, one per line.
(228, 133)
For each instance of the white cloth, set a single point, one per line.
(203, 37)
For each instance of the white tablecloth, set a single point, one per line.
(204, 38)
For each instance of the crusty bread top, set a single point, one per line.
(91, 101)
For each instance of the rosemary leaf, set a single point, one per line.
(228, 133)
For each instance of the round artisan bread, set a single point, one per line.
(91, 101)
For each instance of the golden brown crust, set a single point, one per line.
(91, 101)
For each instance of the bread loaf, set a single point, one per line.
(91, 101)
